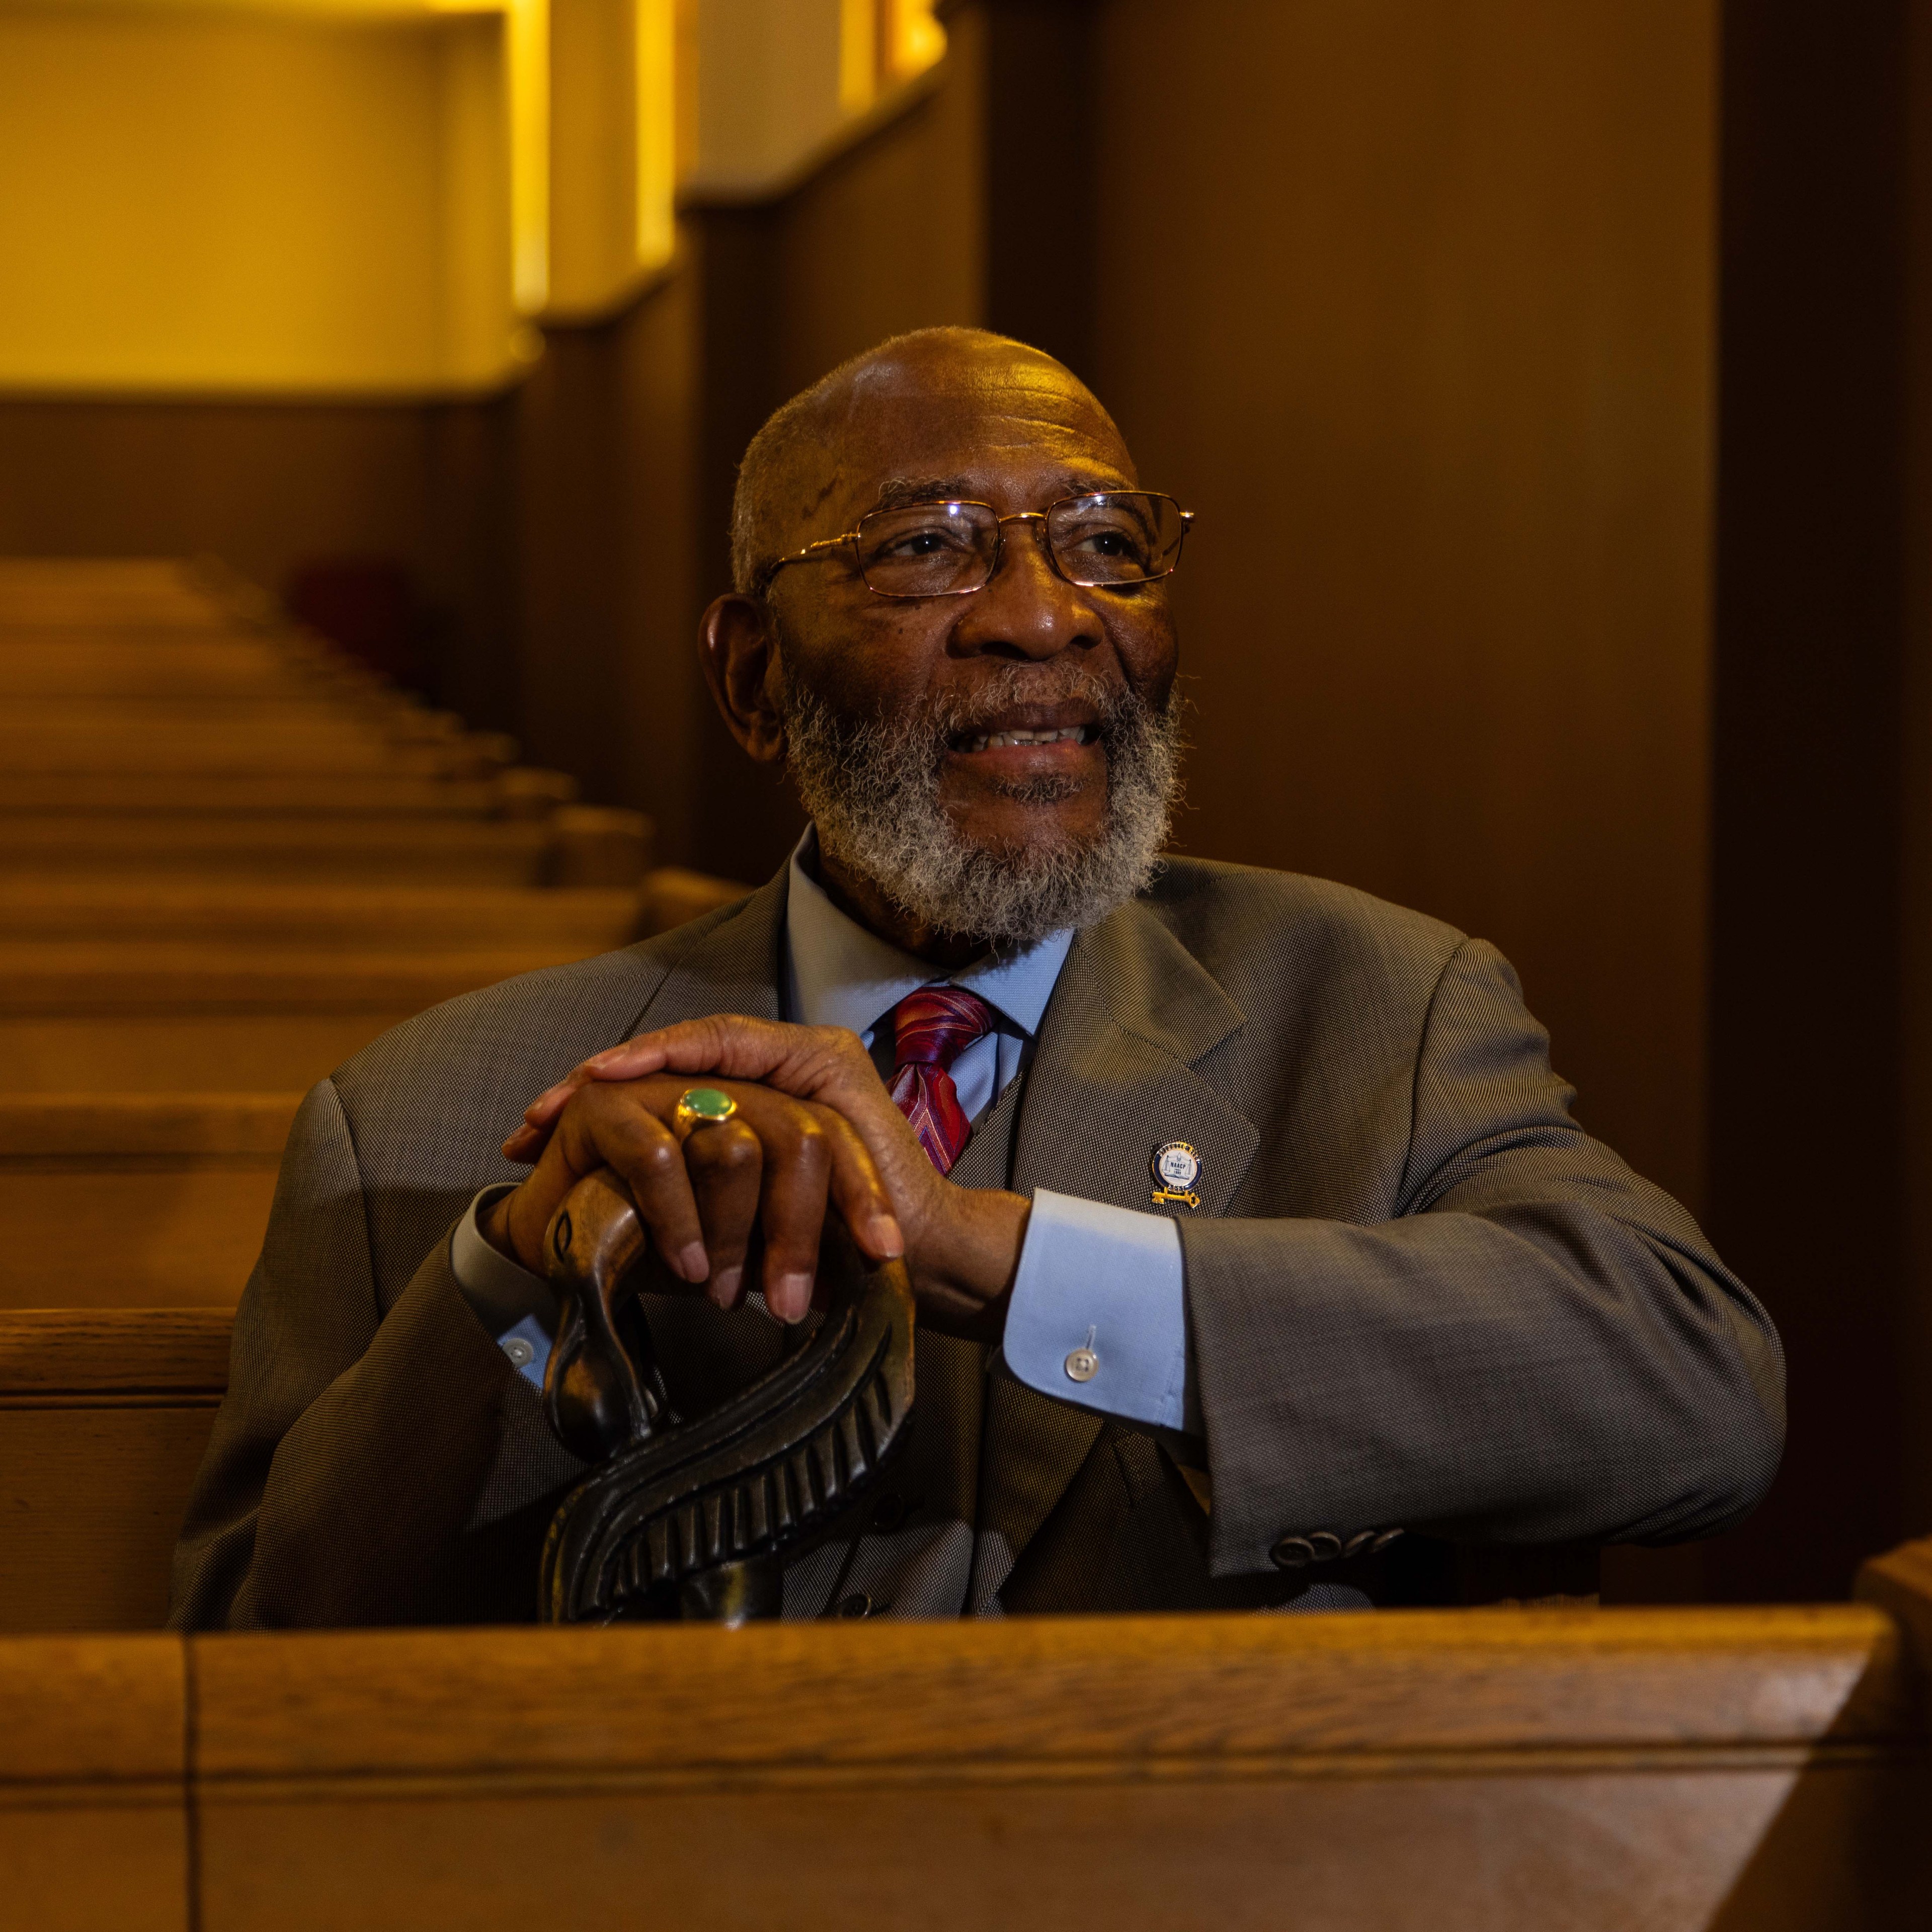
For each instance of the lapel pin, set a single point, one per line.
(1177, 1167)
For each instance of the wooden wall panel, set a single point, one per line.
(1416, 310)
(262, 485)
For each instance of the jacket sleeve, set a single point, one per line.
(365, 1467)
(1540, 1347)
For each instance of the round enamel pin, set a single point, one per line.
(1176, 1167)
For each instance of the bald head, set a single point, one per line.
(879, 412)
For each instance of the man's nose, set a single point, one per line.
(1028, 610)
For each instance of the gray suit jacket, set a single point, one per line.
(1420, 1296)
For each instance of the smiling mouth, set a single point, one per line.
(993, 741)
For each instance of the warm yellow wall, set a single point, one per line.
(220, 202)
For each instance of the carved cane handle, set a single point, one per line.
(697, 1518)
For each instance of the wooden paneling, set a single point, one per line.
(103, 1418)
(93, 1812)
(262, 485)
(1416, 310)
(1478, 1769)
(1494, 1769)
(1824, 644)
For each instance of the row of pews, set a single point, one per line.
(230, 859)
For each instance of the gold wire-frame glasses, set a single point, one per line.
(1110, 539)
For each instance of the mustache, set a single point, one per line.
(1118, 709)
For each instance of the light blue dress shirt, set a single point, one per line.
(1091, 1277)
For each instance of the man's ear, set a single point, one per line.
(736, 638)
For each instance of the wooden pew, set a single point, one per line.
(172, 1190)
(513, 792)
(175, 1187)
(148, 593)
(581, 845)
(156, 1018)
(324, 918)
(166, 749)
(1446, 1771)
(104, 1416)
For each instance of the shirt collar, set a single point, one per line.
(837, 974)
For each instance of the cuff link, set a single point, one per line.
(1083, 1364)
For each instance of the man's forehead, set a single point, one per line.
(1023, 425)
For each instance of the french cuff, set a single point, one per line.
(515, 1307)
(1099, 1312)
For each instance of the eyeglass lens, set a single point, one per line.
(936, 550)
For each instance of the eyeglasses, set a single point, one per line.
(1109, 540)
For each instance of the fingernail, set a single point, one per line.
(725, 1286)
(693, 1264)
(886, 1237)
(793, 1295)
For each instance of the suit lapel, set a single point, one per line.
(1113, 1079)
(733, 968)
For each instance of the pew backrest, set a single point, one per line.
(104, 1415)
(1503, 1770)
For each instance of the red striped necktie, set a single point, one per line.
(930, 1029)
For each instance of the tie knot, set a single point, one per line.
(933, 1026)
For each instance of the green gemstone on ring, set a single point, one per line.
(708, 1104)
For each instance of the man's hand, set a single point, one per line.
(700, 1191)
(962, 1244)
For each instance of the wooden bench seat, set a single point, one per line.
(172, 1190)
(1504, 1771)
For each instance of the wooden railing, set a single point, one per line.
(1441, 1770)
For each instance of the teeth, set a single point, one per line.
(995, 740)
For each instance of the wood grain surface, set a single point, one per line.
(151, 976)
(1749, 1771)
(1236, 1693)
(1425, 1770)
(163, 1232)
(93, 1803)
(104, 1417)
(48, 1128)
(276, 848)
(52, 1353)
(424, 918)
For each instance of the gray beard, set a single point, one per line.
(871, 786)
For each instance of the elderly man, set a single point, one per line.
(1259, 1261)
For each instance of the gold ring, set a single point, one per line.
(704, 1107)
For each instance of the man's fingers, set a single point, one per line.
(808, 1062)
(639, 1145)
(858, 1191)
(725, 1161)
(797, 1171)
